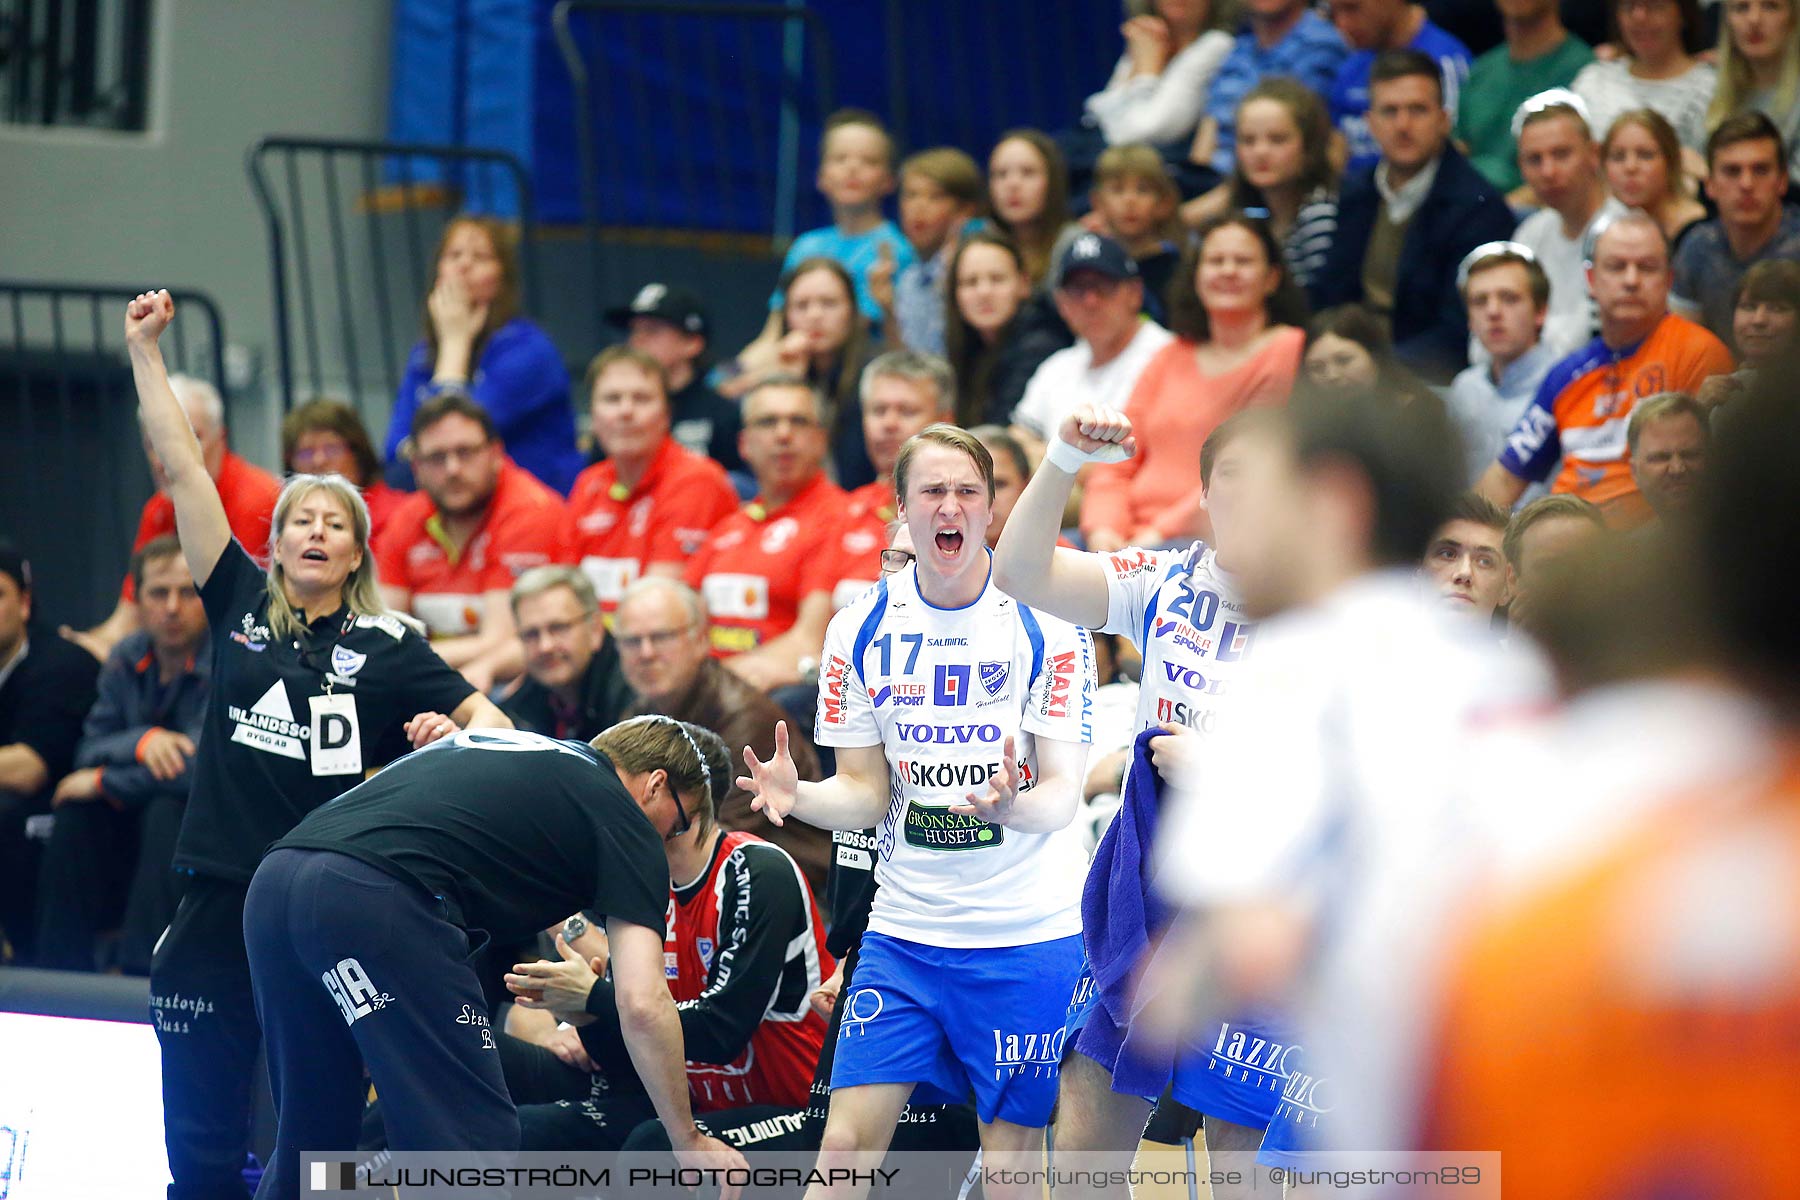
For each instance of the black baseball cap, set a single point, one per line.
(12, 562)
(1099, 253)
(676, 305)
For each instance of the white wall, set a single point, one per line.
(174, 205)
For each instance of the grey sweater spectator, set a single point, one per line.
(46, 688)
(1746, 178)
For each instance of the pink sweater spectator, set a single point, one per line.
(1173, 408)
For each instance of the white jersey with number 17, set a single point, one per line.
(940, 690)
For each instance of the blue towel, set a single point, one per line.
(1120, 914)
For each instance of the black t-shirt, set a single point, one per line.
(255, 775)
(706, 423)
(513, 831)
(46, 698)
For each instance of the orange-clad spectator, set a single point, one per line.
(1583, 407)
(451, 553)
(247, 491)
(326, 437)
(647, 507)
(1236, 317)
(768, 570)
(903, 391)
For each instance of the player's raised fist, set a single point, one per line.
(147, 315)
(1099, 433)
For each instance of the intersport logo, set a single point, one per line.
(947, 735)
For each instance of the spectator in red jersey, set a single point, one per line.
(451, 553)
(669, 324)
(646, 508)
(326, 437)
(745, 949)
(767, 571)
(247, 491)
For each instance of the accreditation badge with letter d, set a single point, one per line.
(336, 738)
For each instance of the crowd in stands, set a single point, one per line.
(1585, 253)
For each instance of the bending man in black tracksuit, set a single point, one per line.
(313, 682)
(360, 925)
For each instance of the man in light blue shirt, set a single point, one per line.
(1507, 295)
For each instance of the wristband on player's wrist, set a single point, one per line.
(1065, 457)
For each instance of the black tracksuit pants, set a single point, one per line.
(351, 966)
(205, 1018)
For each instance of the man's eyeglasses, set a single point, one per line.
(895, 560)
(657, 639)
(776, 420)
(555, 632)
(437, 460)
(683, 822)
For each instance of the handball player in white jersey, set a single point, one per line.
(961, 721)
(1181, 609)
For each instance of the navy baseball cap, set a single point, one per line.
(1099, 253)
(676, 305)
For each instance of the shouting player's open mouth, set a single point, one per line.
(949, 542)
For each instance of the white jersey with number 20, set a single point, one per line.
(940, 690)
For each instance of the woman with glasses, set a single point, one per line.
(313, 684)
(326, 437)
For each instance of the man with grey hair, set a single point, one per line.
(1669, 436)
(660, 630)
(248, 493)
(572, 686)
(901, 392)
(1580, 413)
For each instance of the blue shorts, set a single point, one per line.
(1241, 1076)
(951, 1020)
(1294, 1130)
(1093, 1032)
